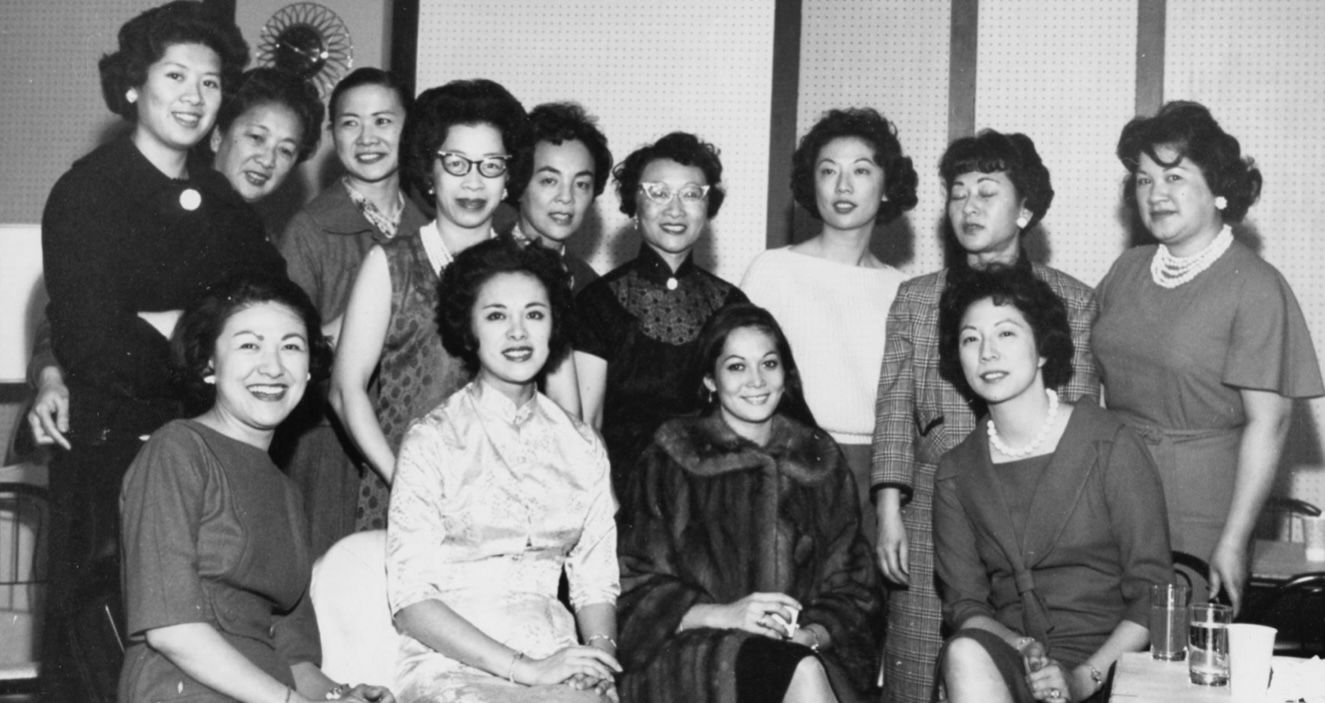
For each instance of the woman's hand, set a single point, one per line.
(567, 663)
(603, 687)
(368, 694)
(1047, 679)
(767, 614)
(49, 416)
(892, 547)
(1228, 572)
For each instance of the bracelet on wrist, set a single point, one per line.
(1022, 643)
(814, 646)
(1096, 676)
(515, 659)
(600, 636)
(338, 691)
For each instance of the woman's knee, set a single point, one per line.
(809, 683)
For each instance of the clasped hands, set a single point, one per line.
(582, 667)
(1049, 681)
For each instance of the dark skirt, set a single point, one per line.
(715, 666)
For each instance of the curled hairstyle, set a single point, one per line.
(1014, 154)
(713, 337)
(558, 123)
(271, 86)
(1043, 309)
(683, 148)
(194, 342)
(144, 39)
(465, 277)
(1189, 130)
(464, 102)
(367, 76)
(866, 124)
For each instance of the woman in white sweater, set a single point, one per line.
(829, 292)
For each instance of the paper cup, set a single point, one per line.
(1250, 648)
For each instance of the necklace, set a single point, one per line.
(997, 442)
(1169, 271)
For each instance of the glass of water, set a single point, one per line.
(1168, 621)
(1207, 644)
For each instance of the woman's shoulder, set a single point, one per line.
(1065, 285)
(1247, 265)
(924, 288)
(568, 426)
(97, 174)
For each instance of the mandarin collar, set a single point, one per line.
(494, 403)
(652, 267)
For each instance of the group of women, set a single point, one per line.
(645, 442)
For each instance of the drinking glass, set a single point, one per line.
(1207, 644)
(1168, 621)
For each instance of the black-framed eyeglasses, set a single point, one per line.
(459, 165)
(662, 193)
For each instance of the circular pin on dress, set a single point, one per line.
(190, 199)
(672, 283)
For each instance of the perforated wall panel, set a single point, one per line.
(1260, 68)
(891, 55)
(1064, 74)
(644, 70)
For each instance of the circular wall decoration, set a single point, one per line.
(310, 41)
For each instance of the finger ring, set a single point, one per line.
(1054, 693)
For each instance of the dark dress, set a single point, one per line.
(646, 333)
(324, 245)
(118, 238)
(716, 518)
(213, 533)
(1072, 559)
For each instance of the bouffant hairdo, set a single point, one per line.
(683, 148)
(144, 39)
(467, 102)
(194, 342)
(558, 123)
(866, 124)
(1014, 154)
(464, 278)
(367, 76)
(1189, 130)
(713, 337)
(1044, 311)
(267, 86)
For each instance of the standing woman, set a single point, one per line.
(1201, 344)
(130, 234)
(460, 141)
(998, 189)
(324, 246)
(830, 293)
(638, 324)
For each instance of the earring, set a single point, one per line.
(209, 379)
(131, 95)
(637, 222)
(884, 199)
(1220, 202)
(1022, 222)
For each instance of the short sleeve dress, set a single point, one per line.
(213, 533)
(643, 320)
(491, 503)
(1173, 362)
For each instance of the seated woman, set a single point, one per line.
(743, 576)
(216, 562)
(1049, 523)
(498, 490)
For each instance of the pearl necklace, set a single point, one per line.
(1169, 271)
(997, 442)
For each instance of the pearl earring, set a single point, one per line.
(1022, 222)
(1220, 202)
(209, 379)
(131, 95)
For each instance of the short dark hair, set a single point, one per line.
(557, 123)
(367, 76)
(683, 148)
(1018, 287)
(712, 338)
(467, 102)
(268, 86)
(463, 278)
(1190, 130)
(144, 39)
(1014, 154)
(866, 124)
(199, 328)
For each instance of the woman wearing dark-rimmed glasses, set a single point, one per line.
(638, 324)
(459, 144)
